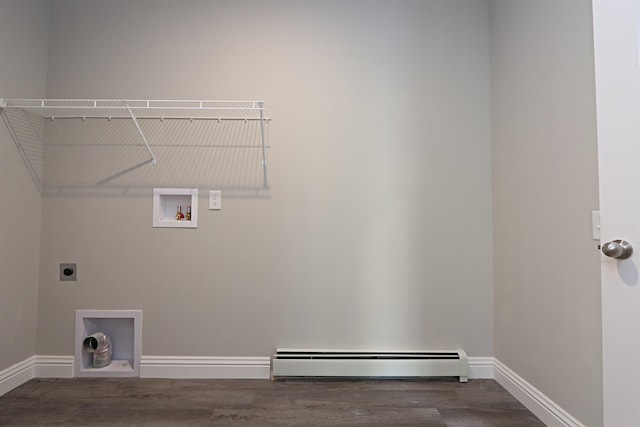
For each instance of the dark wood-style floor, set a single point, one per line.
(166, 402)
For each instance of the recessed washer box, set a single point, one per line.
(175, 207)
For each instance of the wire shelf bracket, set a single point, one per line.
(144, 138)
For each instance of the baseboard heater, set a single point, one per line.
(291, 363)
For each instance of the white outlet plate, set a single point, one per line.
(215, 200)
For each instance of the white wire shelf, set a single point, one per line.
(126, 109)
(141, 109)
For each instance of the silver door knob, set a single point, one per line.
(618, 249)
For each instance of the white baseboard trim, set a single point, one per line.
(480, 367)
(54, 366)
(544, 408)
(205, 367)
(16, 375)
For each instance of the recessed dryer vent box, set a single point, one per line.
(124, 328)
(175, 207)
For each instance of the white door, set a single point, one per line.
(616, 25)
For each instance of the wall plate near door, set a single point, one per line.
(595, 225)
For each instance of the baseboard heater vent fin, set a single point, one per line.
(291, 363)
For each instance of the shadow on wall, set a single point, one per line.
(108, 156)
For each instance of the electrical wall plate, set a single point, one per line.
(595, 225)
(68, 272)
(215, 200)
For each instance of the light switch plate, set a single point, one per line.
(215, 200)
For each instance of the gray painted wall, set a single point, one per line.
(380, 170)
(377, 229)
(545, 185)
(23, 59)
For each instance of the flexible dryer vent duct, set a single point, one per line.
(100, 345)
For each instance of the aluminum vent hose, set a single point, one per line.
(100, 345)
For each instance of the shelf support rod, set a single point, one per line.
(144, 139)
(264, 148)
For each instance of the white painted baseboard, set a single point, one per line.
(480, 367)
(208, 367)
(16, 375)
(543, 407)
(248, 367)
(205, 367)
(150, 367)
(259, 368)
(53, 366)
